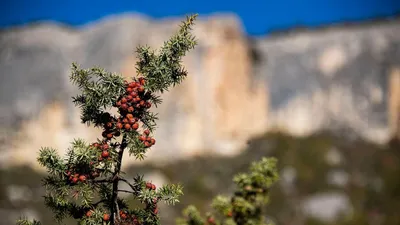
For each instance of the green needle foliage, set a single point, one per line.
(246, 204)
(84, 184)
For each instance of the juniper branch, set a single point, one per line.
(100, 90)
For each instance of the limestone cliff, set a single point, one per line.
(303, 82)
(342, 78)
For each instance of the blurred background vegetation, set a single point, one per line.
(355, 179)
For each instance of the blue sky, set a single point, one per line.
(258, 16)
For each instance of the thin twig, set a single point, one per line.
(126, 191)
(130, 185)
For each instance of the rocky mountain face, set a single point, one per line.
(339, 79)
(342, 79)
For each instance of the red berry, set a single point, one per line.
(105, 154)
(105, 147)
(82, 178)
(149, 185)
(100, 159)
(153, 141)
(153, 186)
(109, 135)
(68, 173)
(211, 220)
(135, 126)
(89, 213)
(109, 125)
(132, 84)
(119, 125)
(129, 116)
(229, 214)
(132, 121)
(106, 217)
(146, 132)
(129, 98)
(155, 210)
(142, 103)
(124, 106)
(148, 139)
(147, 144)
(127, 126)
(148, 105)
(129, 90)
(118, 104)
(137, 99)
(131, 109)
(74, 180)
(123, 216)
(123, 100)
(134, 94)
(142, 138)
(96, 145)
(141, 80)
(141, 89)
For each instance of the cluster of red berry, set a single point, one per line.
(109, 130)
(104, 148)
(106, 216)
(146, 140)
(75, 176)
(150, 186)
(131, 106)
(135, 98)
(153, 206)
(127, 219)
(127, 122)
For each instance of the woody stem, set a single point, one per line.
(116, 178)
